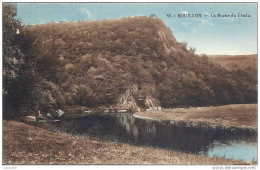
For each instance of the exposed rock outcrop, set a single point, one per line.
(131, 100)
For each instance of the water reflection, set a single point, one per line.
(178, 136)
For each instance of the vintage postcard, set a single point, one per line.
(129, 83)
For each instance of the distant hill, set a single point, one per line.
(235, 62)
(129, 63)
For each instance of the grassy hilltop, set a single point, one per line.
(130, 62)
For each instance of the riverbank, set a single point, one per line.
(27, 144)
(238, 115)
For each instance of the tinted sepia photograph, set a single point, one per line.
(114, 83)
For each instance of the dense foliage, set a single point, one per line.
(18, 75)
(92, 63)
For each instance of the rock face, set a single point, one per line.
(131, 100)
(127, 100)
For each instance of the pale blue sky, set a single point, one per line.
(230, 35)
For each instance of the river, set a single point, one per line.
(178, 136)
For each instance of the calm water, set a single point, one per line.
(125, 128)
(236, 149)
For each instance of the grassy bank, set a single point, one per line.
(26, 144)
(240, 115)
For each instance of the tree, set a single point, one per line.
(184, 45)
(192, 50)
(12, 57)
(153, 16)
(18, 74)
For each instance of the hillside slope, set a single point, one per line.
(131, 63)
(247, 63)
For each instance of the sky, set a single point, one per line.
(230, 35)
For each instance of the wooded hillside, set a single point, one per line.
(131, 62)
(92, 63)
